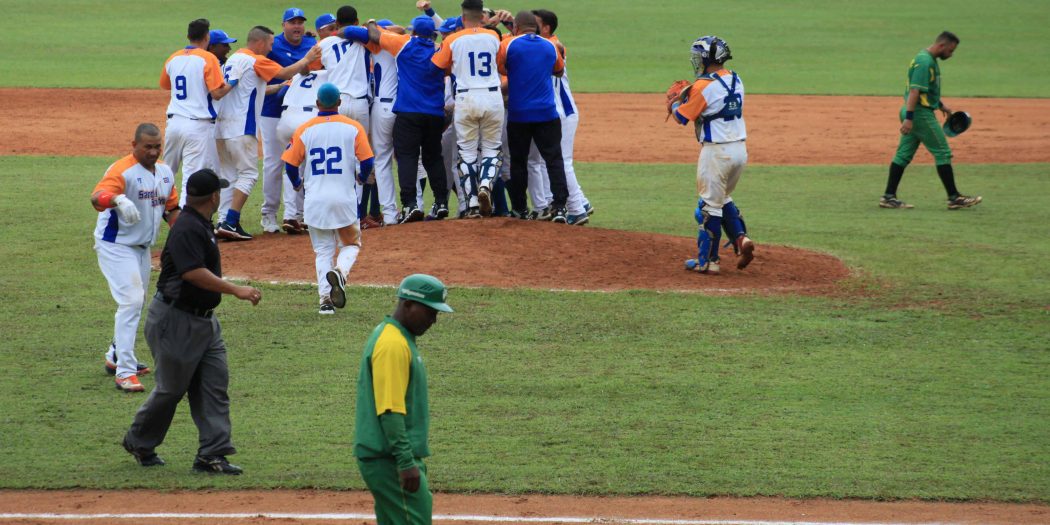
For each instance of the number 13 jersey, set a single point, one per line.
(470, 55)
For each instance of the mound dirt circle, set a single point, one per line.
(511, 253)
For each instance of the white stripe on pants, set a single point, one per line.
(126, 269)
(189, 144)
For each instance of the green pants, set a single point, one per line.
(393, 505)
(928, 131)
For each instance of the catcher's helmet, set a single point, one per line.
(957, 123)
(709, 50)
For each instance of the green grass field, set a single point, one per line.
(931, 384)
(818, 47)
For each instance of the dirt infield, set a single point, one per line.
(348, 507)
(574, 258)
(783, 129)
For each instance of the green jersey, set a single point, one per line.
(392, 379)
(924, 74)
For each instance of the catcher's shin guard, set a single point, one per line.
(490, 169)
(707, 239)
(468, 178)
(733, 222)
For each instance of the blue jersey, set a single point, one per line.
(285, 54)
(528, 61)
(420, 83)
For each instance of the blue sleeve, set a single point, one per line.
(293, 175)
(357, 34)
(678, 116)
(366, 169)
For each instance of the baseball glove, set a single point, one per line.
(674, 94)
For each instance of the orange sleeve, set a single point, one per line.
(212, 72)
(173, 199)
(113, 181)
(392, 42)
(559, 62)
(501, 56)
(695, 102)
(296, 152)
(443, 57)
(266, 68)
(361, 146)
(165, 80)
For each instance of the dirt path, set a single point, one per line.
(503, 509)
(630, 128)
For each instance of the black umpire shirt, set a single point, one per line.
(191, 244)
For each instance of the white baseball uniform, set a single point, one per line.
(236, 125)
(189, 137)
(300, 105)
(123, 249)
(329, 149)
(384, 73)
(349, 66)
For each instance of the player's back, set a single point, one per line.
(473, 56)
(190, 73)
(331, 163)
(302, 91)
(720, 98)
(348, 64)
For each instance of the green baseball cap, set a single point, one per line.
(424, 289)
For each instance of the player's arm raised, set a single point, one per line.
(302, 66)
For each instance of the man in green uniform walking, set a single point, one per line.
(393, 415)
(919, 125)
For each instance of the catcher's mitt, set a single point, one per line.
(674, 94)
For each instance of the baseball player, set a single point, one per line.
(919, 125)
(194, 77)
(290, 46)
(219, 44)
(470, 56)
(335, 151)
(715, 103)
(235, 134)
(529, 60)
(393, 415)
(132, 199)
(349, 65)
(384, 74)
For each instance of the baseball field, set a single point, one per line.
(870, 366)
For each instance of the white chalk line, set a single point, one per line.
(437, 517)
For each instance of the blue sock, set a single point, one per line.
(233, 217)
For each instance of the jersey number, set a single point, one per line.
(483, 65)
(324, 162)
(308, 81)
(340, 49)
(180, 87)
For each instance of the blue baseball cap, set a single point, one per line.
(328, 95)
(451, 24)
(218, 36)
(294, 12)
(384, 23)
(323, 20)
(423, 26)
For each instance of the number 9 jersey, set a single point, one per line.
(190, 74)
(329, 150)
(470, 55)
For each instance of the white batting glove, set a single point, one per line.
(126, 209)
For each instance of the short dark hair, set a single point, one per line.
(525, 20)
(947, 36)
(258, 33)
(146, 128)
(346, 16)
(198, 30)
(472, 5)
(548, 17)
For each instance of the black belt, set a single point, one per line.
(192, 118)
(308, 109)
(493, 88)
(199, 312)
(386, 100)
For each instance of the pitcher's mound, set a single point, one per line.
(511, 253)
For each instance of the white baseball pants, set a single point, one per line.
(189, 144)
(479, 124)
(291, 119)
(717, 173)
(538, 169)
(274, 188)
(126, 269)
(382, 135)
(328, 248)
(355, 108)
(239, 164)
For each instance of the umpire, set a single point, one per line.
(185, 337)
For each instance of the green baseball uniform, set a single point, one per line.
(924, 74)
(392, 400)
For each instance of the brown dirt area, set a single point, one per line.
(783, 129)
(533, 507)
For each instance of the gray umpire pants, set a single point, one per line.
(189, 359)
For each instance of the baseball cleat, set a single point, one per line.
(745, 251)
(269, 224)
(894, 203)
(588, 208)
(129, 384)
(292, 227)
(140, 369)
(559, 216)
(150, 459)
(410, 214)
(709, 267)
(326, 308)
(230, 232)
(338, 293)
(485, 201)
(578, 220)
(215, 465)
(370, 222)
(437, 212)
(473, 212)
(962, 201)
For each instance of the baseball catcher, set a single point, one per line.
(715, 103)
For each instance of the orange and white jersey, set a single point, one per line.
(348, 63)
(153, 193)
(190, 74)
(470, 55)
(715, 102)
(302, 92)
(241, 107)
(328, 150)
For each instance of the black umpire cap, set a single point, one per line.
(205, 182)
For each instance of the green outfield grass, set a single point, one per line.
(931, 383)
(818, 47)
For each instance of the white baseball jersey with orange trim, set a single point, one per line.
(470, 55)
(715, 102)
(190, 74)
(348, 63)
(329, 150)
(302, 92)
(151, 193)
(242, 106)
